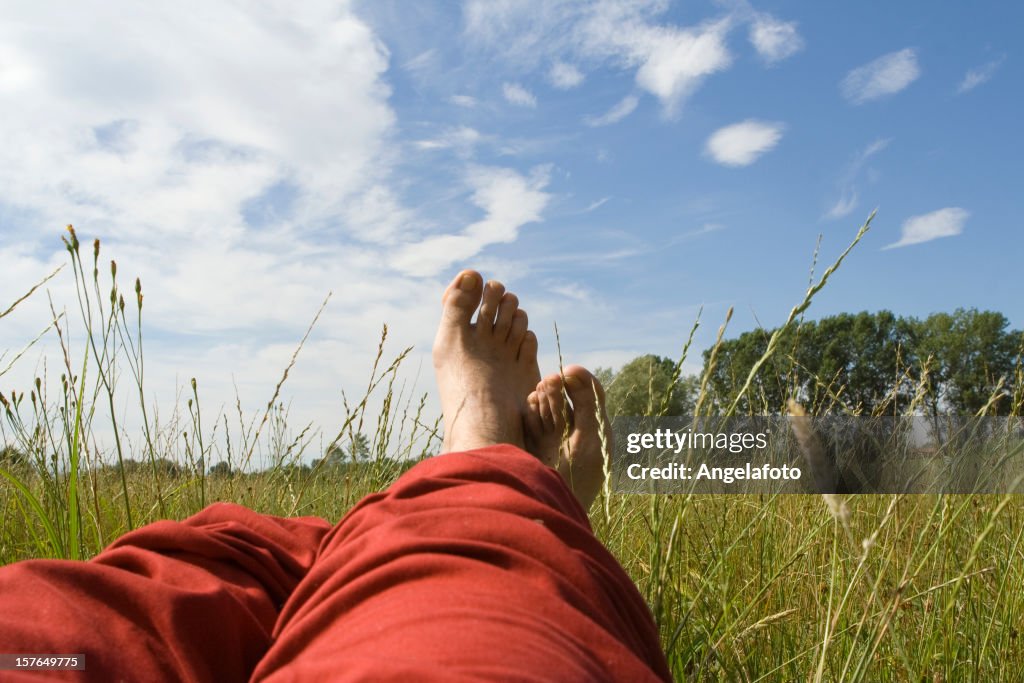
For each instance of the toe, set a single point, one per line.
(517, 329)
(528, 346)
(461, 298)
(534, 421)
(556, 400)
(507, 309)
(493, 292)
(544, 407)
(587, 396)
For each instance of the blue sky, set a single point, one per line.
(619, 164)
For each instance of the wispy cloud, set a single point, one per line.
(705, 229)
(886, 75)
(571, 290)
(378, 216)
(982, 74)
(508, 200)
(674, 62)
(565, 76)
(621, 110)
(927, 227)
(668, 61)
(589, 257)
(874, 148)
(849, 196)
(185, 159)
(518, 95)
(238, 207)
(741, 144)
(424, 60)
(774, 40)
(467, 101)
(844, 206)
(460, 138)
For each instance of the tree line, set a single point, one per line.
(961, 363)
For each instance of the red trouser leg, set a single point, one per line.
(173, 601)
(472, 566)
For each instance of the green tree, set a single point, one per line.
(221, 469)
(871, 363)
(969, 352)
(648, 385)
(733, 361)
(167, 467)
(356, 449)
(858, 361)
(12, 457)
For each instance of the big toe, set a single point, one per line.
(461, 298)
(587, 396)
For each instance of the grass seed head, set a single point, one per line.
(72, 243)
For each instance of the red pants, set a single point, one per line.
(472, 566)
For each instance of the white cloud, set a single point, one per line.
(668, 61)
(621, 110)
(741, 144)
(674, 62)
(378, 216)
(525, 32)
(508, 200)
(942, 223)
(467, 101)
(174, 142)
(564, 76)
(874, 148)
(774, 40)
(705, 229)
(16, 69)
(461, 138)
(886, 75)
(424, 60)
(518, 95)
(982, 74)
(844, 206)
(849, 198)
(571, 290)
(241, 175)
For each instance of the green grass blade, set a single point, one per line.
(74, 520)
(57, 548)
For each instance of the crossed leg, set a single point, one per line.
(173, 601)
(479, 564)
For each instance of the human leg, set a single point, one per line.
(479, 564)
(172, 601)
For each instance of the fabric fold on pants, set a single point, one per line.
(172, 601)
(472, 566)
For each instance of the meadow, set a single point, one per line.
(743, 587)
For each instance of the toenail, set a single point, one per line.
(468, 282)
(573, 381)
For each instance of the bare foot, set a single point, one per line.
(485, 369)
(569, 437)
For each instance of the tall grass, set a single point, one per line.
(743, 587)
(63, 496)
